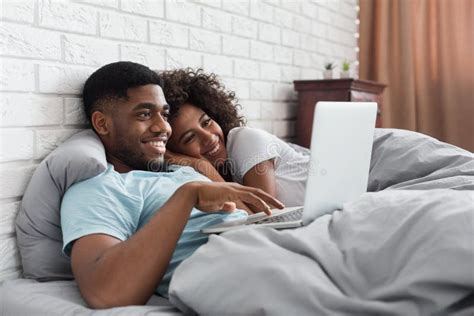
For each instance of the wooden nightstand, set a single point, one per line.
(312, 91)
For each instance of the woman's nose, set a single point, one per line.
(206, 137)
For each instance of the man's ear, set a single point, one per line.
(100, 122)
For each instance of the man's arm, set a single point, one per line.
(112, 273)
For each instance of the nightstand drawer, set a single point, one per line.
(312, 91)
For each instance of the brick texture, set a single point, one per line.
(67, 16)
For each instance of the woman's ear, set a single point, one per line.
(100, 123)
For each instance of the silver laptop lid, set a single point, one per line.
(341, 148)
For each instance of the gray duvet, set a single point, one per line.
(404, 248)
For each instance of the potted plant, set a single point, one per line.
(346, 65)
(327, 73)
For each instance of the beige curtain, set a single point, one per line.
(424, 51)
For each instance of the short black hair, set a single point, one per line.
(111, 82)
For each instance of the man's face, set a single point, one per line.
(138, 130)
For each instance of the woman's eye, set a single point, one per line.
(189, 139)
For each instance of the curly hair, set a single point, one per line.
(204, 91)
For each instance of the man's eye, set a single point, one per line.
(144, 115)
(165, 115)
(207, 122)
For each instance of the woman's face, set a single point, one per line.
(195, 134)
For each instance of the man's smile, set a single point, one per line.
(157, 144)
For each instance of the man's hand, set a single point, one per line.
(211, 197)
(204, 167)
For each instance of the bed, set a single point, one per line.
(404, 248)
(29, 297)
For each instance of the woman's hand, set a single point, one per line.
(201, 165)
(179, 159)
(213, 197)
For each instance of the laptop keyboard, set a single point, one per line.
(294, 215)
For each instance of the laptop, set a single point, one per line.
(341, 148)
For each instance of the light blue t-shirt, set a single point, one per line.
(120, 204)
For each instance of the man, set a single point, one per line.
(127, 229)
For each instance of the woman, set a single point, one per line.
(209, 135)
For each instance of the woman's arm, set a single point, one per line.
(202, 166)
(205, 168)
(253, 152)
(262, 176)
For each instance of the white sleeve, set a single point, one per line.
(247, 147)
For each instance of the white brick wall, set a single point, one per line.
(49, 47)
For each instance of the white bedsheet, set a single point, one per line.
(28, 297)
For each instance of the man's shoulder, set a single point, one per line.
(108, 178)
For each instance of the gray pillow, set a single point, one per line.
(38, 225)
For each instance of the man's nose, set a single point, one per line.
(160, 125)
